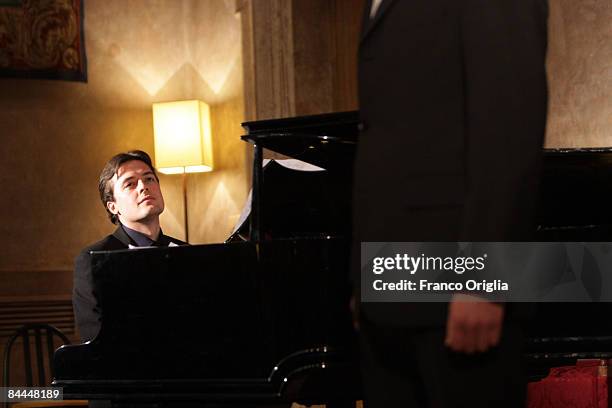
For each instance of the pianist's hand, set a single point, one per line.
(473, 325)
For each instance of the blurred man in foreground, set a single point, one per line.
(453, 100)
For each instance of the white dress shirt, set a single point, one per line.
(375, 6)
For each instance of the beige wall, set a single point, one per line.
(57, 135)
(580, 73)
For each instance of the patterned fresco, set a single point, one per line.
(42, 39)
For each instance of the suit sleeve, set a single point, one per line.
(86, 310)
(503, 49)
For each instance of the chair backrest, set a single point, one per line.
(38, 342)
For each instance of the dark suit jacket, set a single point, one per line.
(86, 309)
(453, 99)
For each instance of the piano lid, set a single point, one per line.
(327, 140)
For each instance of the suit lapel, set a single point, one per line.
(365, 19)
(163, 240)
(125, 239)
(122, 236)
(368, 23)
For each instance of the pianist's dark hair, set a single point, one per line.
(108, 172)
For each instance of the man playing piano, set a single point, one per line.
(130, 192)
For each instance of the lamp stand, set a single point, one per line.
(185, 206)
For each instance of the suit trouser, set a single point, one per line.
(405, 367)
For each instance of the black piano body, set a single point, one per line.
(239, 322)
(575, 206)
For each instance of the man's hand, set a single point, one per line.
(473, 325)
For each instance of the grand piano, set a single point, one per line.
(260, 320)
(263, 319)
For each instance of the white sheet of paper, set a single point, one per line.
(171, 244)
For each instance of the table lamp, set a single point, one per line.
(183, 141)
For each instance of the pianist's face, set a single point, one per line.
(138, 197)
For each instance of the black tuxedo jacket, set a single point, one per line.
(86, 309)
(453, 99)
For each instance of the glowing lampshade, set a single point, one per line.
(183, 141)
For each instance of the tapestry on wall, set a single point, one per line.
(42, 39)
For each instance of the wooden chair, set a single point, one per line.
(38, 344)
